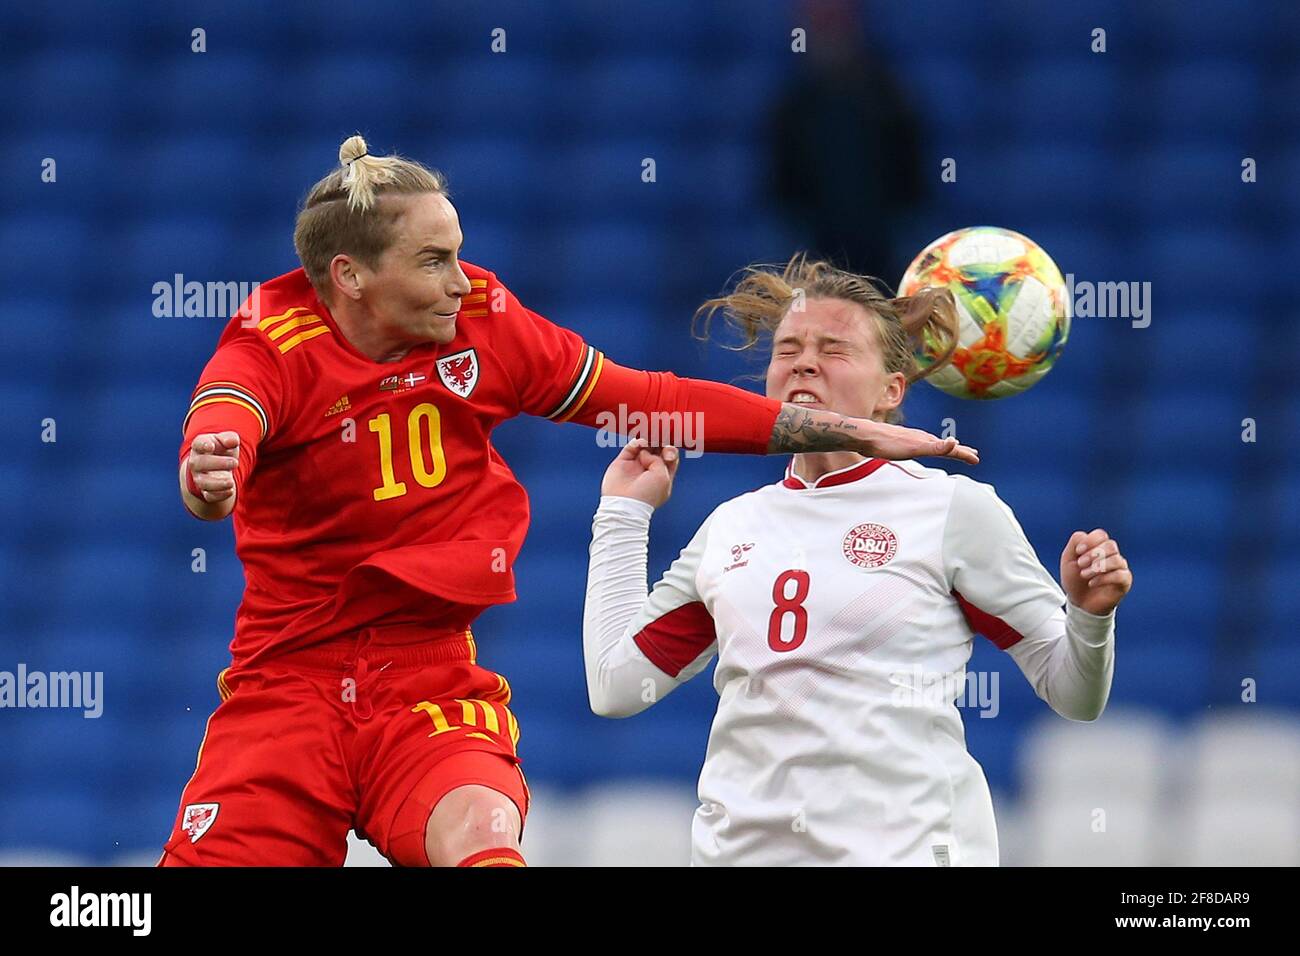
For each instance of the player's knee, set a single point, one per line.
(470, 819)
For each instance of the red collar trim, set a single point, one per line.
(841, 477)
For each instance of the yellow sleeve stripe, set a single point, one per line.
(502, 693)
(222, 399)
(301, 337)
(473, 313)
(471, 299)
(284, 328)
(498, 861)
(268, 322)
(592, 379)
(478, 283)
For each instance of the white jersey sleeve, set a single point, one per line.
(639, 647)
(1066, 654)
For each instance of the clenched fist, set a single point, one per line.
(212, 463)
(1094, 575)
(641, 472)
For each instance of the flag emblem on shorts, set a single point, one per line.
(870, 545)
(459, 372)
(198, 819)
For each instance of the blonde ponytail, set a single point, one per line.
(343, 212)
(927, 318)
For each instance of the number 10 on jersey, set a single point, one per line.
(423, 425)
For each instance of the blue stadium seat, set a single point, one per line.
(490, 178)
(542, 662)
(1058, 426)
(1180, 601)
(942, 92)
(1281, 608)
(1216, 350)
(94, 581)
(195, 174)
(1046, 503)
(66, 816)
(973, 32)
(1186, 184)
(1277, 673)
(1215, 99)
(38, 330)
(1053, 102)
(81, 187)
(735, 98)
(163, 354)
(1204, 29)
(332, 94)
(1284, 508)
(1178, 508)
(24, 410)
(195, 245)
(1174, 426)
(507, 92)
(1058, 178)
(40, 246)
(626, 32)
(608, 174)
(615, 259)
(551, 578)
(78, 87)
(232, 84)
(1175, 674)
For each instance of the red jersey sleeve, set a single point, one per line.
(729, 419)
(551, 368)
(558, 376)
(241, 390)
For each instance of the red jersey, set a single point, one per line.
(370, 492)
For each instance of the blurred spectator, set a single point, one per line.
(845, 145)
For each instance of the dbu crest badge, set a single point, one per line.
(870, 545)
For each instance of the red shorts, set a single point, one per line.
(363, 735)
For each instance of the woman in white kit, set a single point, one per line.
(825, 594)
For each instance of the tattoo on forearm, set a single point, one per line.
(799, 429)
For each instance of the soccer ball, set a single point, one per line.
(1012, 304)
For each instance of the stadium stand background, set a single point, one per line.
(1125, 166)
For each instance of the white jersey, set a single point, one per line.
(842, 614)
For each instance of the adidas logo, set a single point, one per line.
(342, 405)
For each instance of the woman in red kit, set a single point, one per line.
(345, 421)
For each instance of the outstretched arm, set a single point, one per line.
(711, 416)
(807, 429)
(560, 377)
